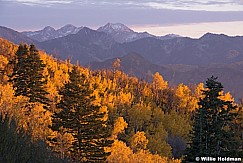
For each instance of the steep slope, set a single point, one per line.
(135, 65)
(49, 33)
(14, 36)
(85, 46)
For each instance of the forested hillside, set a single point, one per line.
(178, 59)
(54, 111)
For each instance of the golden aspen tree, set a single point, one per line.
(120, 153)
(198, 91)
(185, 101)
(158, 82)
(139, 141)
(158, 85)
(119, 127)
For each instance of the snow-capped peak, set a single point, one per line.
(49, 29)
(114, 27)
(50, 33)
(67, 28)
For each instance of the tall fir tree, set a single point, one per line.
(211, 134)
(80, 117)
(27, 77)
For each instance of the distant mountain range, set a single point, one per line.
(90, 45)
(87, 45)
(178, 59)
(49, 33)
(210, 48)
(119, 32)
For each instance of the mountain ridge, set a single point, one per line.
(89, 45)
(86, 46)
(48, 32)
(14, 36)
(120, 33)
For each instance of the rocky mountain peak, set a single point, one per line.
(49, 29)
(114, 27)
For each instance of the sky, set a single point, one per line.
(191, 18)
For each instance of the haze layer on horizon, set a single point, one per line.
(183, 17)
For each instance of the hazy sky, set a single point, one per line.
(185, 17)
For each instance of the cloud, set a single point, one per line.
(94, 13)
(206, 5)
(223, 5)
(46, 3)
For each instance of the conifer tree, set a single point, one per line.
(27, 76)
(80, 117)
(211, 135)
(16, 145)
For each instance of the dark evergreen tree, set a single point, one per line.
(80, 117)
(211, 135)
(27, 76)
(17, 146)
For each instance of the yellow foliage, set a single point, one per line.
(119, 126)
(120, 153)
(7, 48)
(6, 99)
(36, 121)
(158, 82)
(144, 156)
(227, 97)
(108, 100)
(198, 90)
(146, 92)
(3, 62)
(124, 98)
(186, 101)
(103, 109)
(139, 141)
(114, 90)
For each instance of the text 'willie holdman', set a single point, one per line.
(218, 159)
